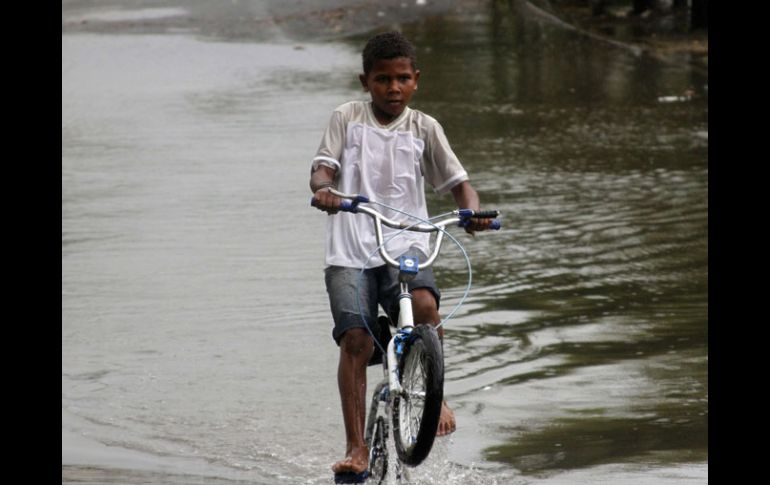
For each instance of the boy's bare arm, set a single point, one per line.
(321, 177)
(465, 196)
(320, 180)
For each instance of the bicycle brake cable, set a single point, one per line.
(386, 241)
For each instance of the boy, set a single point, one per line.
(385, 150)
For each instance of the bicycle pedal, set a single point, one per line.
(351, 477)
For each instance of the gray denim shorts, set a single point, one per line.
(354, 296)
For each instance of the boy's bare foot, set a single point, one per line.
(446, 422)
(357, 461)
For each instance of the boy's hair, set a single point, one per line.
(388, 45)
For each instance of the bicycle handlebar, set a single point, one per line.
(461, 217)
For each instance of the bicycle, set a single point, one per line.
(412, 389)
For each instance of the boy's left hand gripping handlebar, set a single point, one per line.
(467, 214)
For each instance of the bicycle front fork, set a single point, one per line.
(396, 344)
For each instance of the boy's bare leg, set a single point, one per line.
(446, 422)
(425, 310)
(356, 347)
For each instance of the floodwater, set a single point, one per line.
(196, 337)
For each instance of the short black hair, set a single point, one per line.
(388, 45)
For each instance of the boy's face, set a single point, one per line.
(391, 83)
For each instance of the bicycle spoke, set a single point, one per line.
(414, 396)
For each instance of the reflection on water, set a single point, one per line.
(195, 327)
(604, 191)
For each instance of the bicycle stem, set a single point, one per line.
(405, 316)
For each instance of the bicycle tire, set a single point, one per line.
(378, 452)
(416, 418)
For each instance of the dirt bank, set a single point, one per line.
(661, 35)
(271, 20)
(664, 34)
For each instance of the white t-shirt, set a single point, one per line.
(388, 164)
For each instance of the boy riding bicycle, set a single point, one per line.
(387, 151)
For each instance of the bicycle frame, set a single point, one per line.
(407, 266)
(390, 390)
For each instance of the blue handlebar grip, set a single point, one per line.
(494, 225)
(346, 206)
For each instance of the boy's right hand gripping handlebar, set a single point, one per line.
(345, 205)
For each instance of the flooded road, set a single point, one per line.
(196, 342)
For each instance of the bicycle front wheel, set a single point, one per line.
(417, 410)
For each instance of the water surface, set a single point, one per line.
(196, 340)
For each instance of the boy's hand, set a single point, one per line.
(477, 225)
(321, 180)
(326, 201)
(466, 198)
